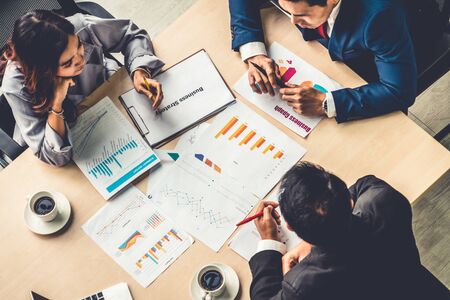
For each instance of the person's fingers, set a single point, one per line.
(290, 85)
(158, 97)
(260, 207)
(291, 98)
(252, 83)
(277, 72)
(272, 79)
(267, 213)
(71, 82)
(289, 91)
(260, 82)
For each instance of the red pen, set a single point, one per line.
(251, 218)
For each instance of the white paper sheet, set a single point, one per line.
(108, 149)
(168, 158)
(190, 137)
(216, 182)
(245, 242)
(294, 70)
(137, 235)
(193, 90)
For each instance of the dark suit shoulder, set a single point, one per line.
(320, 275)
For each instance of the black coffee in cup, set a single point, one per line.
(211, 280)
(44, 205)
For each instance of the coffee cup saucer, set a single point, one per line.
(39, 226)
(231, 282)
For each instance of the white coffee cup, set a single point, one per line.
(43, 205)
(211, 280)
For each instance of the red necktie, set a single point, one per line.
(322, 30)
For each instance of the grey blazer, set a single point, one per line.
(99, 36)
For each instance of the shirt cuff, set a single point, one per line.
(150, 62)
(57, 143)
(331, 107)
(252, 49)
(264, 245)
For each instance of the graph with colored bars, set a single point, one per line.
(168, 242)
(155, 220)
(130, 242)
(208, 162)
(259, 143)
(111, 158)
(287, 72)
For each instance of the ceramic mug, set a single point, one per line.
(43, 205)
(211, 280)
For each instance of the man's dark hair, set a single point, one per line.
(311, 2)
(316, 204)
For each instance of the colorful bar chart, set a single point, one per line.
(103, 167)
(268, 148)
(161, 247)
(208, 162)
(155, 220)
(287, 73)
(247, 138)
(227, 127)
(315, 86)
(130, 241)
(238, 132)
(258, 143)
(278, 155)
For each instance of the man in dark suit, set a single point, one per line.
(357, 243)
(370, 36)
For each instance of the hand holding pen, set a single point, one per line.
(149, 87)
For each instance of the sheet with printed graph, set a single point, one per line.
(245, 242)
(218, 181)
(137, 235)
(295, 70)
(108, 150)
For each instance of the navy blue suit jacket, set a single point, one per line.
(370, 36)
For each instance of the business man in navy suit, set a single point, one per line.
(370, 36)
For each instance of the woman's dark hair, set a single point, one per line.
(316, 204)
(39, 38)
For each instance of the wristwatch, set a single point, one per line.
(325, 106)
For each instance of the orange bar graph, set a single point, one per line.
(238, 132)
(278, 155)
(258, 143)
(227, 127)
(247, 138)
(268, 148)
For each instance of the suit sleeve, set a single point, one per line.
(245, 22)
(267, 275)
(121, 35)
(386, 36)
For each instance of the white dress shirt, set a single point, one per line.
(271, 245)
(258, 48)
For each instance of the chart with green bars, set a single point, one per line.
(143, 241)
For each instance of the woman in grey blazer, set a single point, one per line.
(51, 64)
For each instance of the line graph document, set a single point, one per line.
(245, 242)
(295, 70)
(108, 150)
(137, 235)
(222, 176)
(207, 205)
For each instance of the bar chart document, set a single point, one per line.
(296, 71)
(219, 180)
(137, 235)
(108, 150)
(245, 242)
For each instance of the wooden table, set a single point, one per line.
(70, 265)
